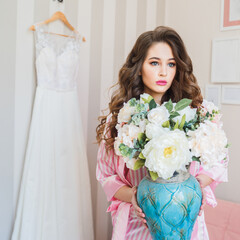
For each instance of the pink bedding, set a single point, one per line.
(223, 221)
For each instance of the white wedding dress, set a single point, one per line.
(55, 200)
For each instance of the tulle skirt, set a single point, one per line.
(55, 200)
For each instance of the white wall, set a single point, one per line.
(8, 12)
(198, 22)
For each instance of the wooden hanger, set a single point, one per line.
(58, 16)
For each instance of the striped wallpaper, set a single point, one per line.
(115, 26)
(110, 28)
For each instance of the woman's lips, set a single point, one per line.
(161, 82)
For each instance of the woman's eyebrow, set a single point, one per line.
(160, 58)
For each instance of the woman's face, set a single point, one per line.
(158, 70)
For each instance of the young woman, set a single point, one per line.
(158, 65)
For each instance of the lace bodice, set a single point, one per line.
(57, 59)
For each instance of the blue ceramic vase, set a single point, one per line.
(171, 206)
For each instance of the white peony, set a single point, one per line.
(188, 111)
(167, 153)
(158, 115)
(209, 143)
(154, 130)
(125, 113)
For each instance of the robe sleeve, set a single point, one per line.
(106, 172)
(218, 174)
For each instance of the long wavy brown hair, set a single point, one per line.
(130, 83)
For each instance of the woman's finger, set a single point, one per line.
(203, 203)
(142, 215)
(137, 209)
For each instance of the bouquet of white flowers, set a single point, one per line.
(166, 138)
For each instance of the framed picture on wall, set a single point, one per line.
(231, 94)
(230, 15)
(213, 94)
(225, 60)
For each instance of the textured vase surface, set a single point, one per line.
(171, 207)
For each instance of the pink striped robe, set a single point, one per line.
(112, 173)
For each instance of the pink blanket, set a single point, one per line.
(223, 221)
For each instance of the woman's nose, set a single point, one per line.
(163, 71)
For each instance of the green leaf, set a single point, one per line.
(136, 144)
(169, 105)
(182, 122)
(138, 164)
(133, 152)
(153, 175)
(141, 156)
(166, 124)
(228, 145)
(174, 114)
(124, 149)
(147, 100)
(132, 102)
(140, 107)
(176, 125)
(182, 104)
(141, 137)
(196, 159)
(152, 104)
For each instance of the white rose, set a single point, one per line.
(145, 96)
(125, 113)
(122, 130)
(142, 125)
(117, 142)
(158, 115)
(130, 162)
(127, 140)
(208, 142)
(118, 126)
(217, 120)
(167, 153)
(188, 111)
(154, 130)
(133, 131)
(127, 133)
(209, 106)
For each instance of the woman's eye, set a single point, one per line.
(172, 64)
(154, 63)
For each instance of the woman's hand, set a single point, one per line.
(203, 197)
(204, 181)
(137, 209)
